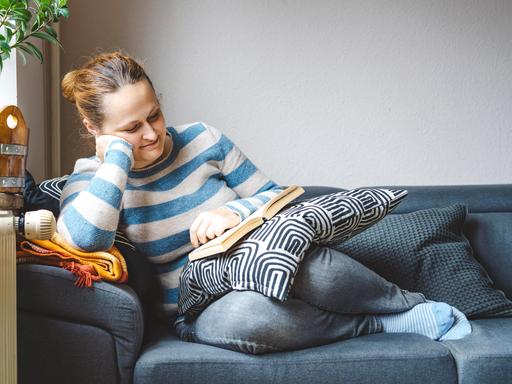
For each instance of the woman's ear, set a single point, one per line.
(93, 130)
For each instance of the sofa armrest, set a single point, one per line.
(115, 309)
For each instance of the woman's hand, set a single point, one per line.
(102, 143)
(211, 224)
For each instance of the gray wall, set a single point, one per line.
(345, 93)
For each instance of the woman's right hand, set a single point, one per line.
(102, 143)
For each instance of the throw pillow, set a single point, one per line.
(45, 195)
(267, 260)
(426, 251)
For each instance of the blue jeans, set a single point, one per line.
(333, 297)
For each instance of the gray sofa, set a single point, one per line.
(105, 335)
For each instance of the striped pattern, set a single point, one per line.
(430, 319)
(156, 206)
(268, 259)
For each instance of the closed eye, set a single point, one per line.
(134, 128)
(154, 116)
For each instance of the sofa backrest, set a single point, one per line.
(488, 225)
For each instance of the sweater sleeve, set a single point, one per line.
(91, 199)
(243, 177)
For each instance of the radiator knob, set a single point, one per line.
(38, 225)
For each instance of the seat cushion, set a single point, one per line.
(485, 356)
(378, 358)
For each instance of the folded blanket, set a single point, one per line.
(88, 266)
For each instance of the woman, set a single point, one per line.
(170, 190)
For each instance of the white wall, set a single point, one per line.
(8, 94)
(23, 85)
(345, 93)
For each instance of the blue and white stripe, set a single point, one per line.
(155, 207)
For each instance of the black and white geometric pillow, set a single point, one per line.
(267, 260)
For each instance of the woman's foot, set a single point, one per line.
(460, 328)
(431, 319)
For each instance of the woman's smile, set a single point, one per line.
(152, 145)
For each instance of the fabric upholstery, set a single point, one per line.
(116, 309)
(378, 358)
(56, 350)
(425, 251)
(491, 239)
(485, 356)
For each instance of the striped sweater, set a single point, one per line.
(155, 206)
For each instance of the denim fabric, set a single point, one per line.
(331, 299)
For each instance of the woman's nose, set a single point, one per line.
(149, 132)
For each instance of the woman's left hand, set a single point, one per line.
(211, 224)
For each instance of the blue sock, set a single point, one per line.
(460, 328)
(431, 319)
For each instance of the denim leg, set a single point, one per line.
(250, 322)
(333, 281)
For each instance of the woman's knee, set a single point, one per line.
(240, 320)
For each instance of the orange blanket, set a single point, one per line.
(87, 266)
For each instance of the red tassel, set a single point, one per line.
(86, 274)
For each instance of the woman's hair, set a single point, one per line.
(103, 74)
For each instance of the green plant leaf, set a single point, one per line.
(4, 47)
(22, 55)
(34, 50)
(19, 4)
(1, 64)
(63, 3)
(51, 31)
(47, 37)
(64, 12)
(22, 15)
(4, 4)
(8, 34)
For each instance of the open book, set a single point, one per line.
(225, 241)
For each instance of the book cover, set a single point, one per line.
(225, 241)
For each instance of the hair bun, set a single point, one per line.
(69, 85)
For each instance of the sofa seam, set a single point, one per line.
(304, 362)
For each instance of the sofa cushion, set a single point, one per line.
(485, 356)
(426, 251)
(377, 358)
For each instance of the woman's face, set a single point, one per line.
(133, 113)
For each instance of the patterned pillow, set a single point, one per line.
(426, 251)
(45, 195)
(267, 260)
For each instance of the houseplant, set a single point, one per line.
(22, 19)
